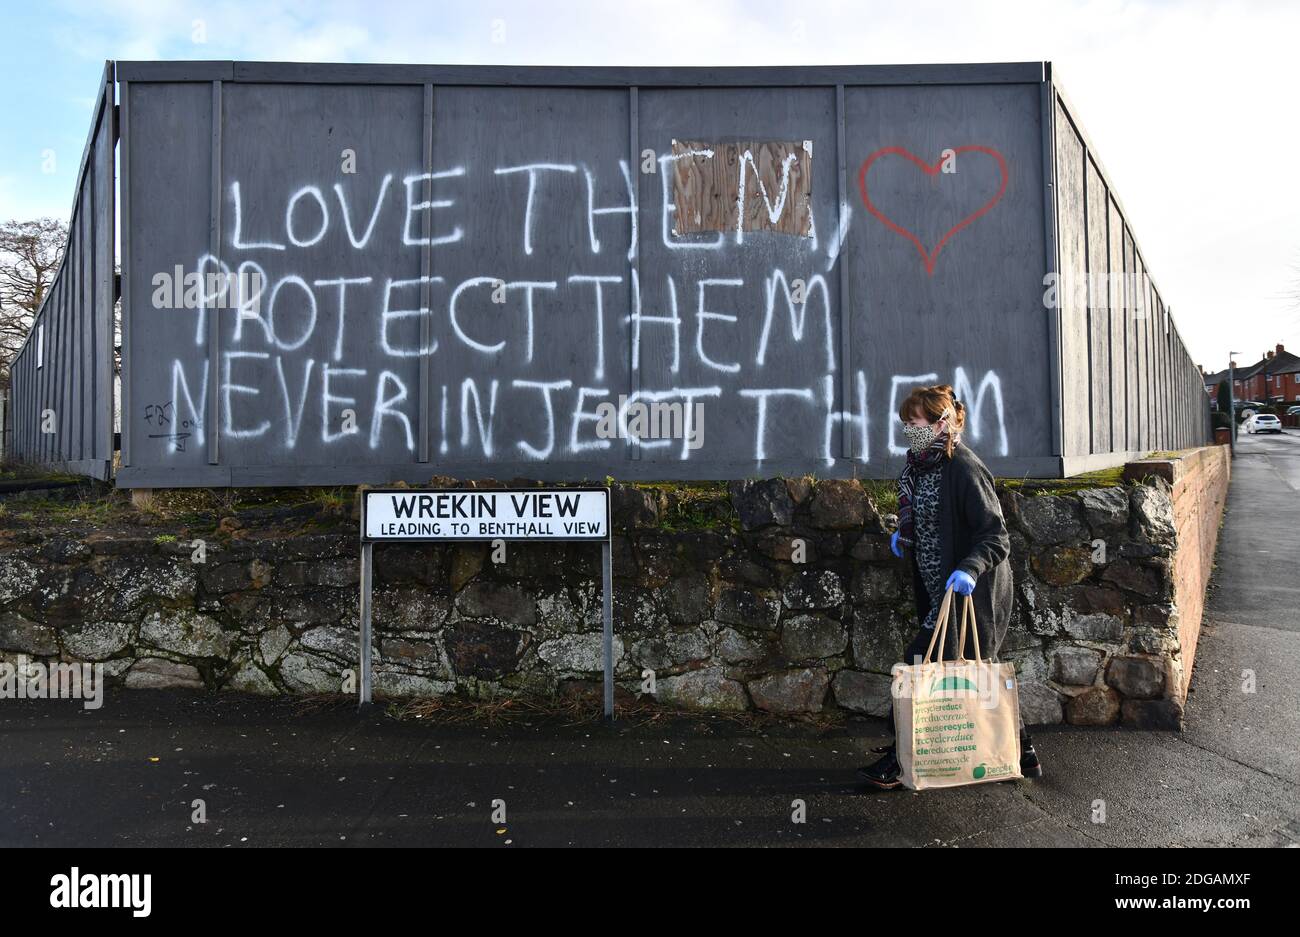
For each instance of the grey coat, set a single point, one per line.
(972, 537)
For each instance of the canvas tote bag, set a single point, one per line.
(957, 721)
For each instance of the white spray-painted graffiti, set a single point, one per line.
(284, 374)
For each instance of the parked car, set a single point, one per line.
(1263, 423)
(1293, 411)
(1248, 408)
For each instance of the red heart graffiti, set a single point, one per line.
(929, 257)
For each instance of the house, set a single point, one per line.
(1274, 378)
(1282, 377)
(1212, 382)
(1248, 380)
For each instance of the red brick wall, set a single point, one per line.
(1200, 488)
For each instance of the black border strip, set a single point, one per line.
(581, 76)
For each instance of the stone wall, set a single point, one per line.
(706, 596)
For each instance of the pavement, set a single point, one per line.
(280, 772)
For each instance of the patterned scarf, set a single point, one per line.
(918, 463)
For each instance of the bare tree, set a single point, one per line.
(30, 254)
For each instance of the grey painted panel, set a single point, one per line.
(48, 370)
(733, 276)
(53, 370)
(58, 356)
(1147, 322)
(168, 184)
(40, 374)
(54, 364)
(68, 355)
(212, 338)
(480, 233)
(278, 139)
(1133, 287)
(1184, 411)
(1173, 397)
(1141, 323)
(1161, 377)
(105, 248)
(1133, 344)
(1164, 377)
(541, 361)
(76, 294)
(1144, 350)
(86, 404)
(1181, 413)
(849, 445)
(1099, 311)
(1051, 260)
(12, 440)
(1187, 411)
(124, 284)
(29, 408)
(1072, 289)
(1176, 408)
(18, 404)
(1122, 269)
(85, 321)
(54, 348)
(1118, 329)
(1165, 386)
(284, 148)
(916, 313)
(24, 407)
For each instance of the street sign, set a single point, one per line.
(414, 515)
(407, 514)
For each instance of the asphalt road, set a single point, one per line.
(269, 772)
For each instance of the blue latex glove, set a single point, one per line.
(960, 582)
(893, 545)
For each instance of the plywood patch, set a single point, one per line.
(745, 186)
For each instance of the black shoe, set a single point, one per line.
(1029, 764)
(883, 772)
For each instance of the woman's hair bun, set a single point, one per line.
(947, 391)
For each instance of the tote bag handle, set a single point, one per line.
(968, 613)
(940, 627)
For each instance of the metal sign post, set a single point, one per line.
(453, 515)
(1232, 403)
(367, 568)
(607, 621)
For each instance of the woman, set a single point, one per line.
(950, 525)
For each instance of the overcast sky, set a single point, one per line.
(1190, 103)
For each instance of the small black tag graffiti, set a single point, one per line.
(160, 415)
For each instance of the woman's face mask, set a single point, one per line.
(920, 436)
